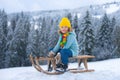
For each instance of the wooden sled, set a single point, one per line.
(81, 58)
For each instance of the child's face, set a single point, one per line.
(64, 29)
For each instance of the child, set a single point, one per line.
(67, 45)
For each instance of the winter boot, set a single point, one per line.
(59, 65)
(65, 66)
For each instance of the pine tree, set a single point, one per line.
(117, 41)
(103, 38)
(111, 39)
(113, 23)
(87, 42)
(14, 21)
(50, 35)
(43, 38)
(69, 16)
(10, 47)
(75, 25)
(53, 34)
(36, 43)
(103, 34)
(18, 45)
(115, 47)
(3, 36)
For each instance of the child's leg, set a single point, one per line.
(65, 54)
(58, 58)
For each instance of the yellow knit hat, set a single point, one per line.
(65, 22)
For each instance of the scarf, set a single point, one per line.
(64, 39)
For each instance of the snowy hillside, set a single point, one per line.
(104, 70)
(95, 10)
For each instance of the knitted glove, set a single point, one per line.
(51, 54)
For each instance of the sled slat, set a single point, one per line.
(82, 57)
(81, 71)
(45, 58)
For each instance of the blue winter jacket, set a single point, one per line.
(70, 44)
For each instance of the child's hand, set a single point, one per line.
(51, 54)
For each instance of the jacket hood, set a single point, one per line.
(73, 33)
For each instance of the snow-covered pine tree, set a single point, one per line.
(50, 29)
(14, 21)
(113, 23)
(117, 41)
(51, 39)
(87, 35)
(19, 56)
(69, 16)
(31, 38)
(103, 39)
(53, 34)
(43, 39)
(3, 36)
(9, 46)
(75, 25)
(104, 32)
(111, 46)
(36, 43)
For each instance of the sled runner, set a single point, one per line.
(81, 58)
(35, 63)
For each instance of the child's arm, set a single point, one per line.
(57, 46)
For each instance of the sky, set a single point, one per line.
(11, 6)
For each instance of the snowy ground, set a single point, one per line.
(104, 70)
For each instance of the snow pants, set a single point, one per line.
(65, 54)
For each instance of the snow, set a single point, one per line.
(113, 8)
(8, 23)
(79, 15)
(104, 70)
(97, 16)
(36, 26)
(36, 17)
